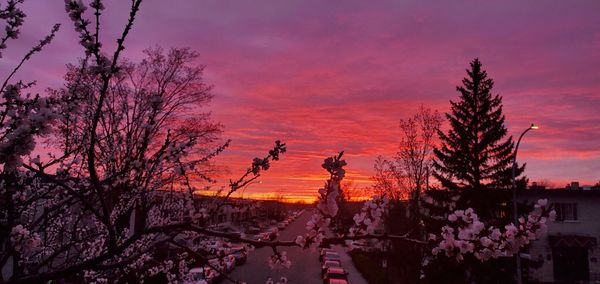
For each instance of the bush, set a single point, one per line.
(369, 266)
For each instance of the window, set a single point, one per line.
(566, 211)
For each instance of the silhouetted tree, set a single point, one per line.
(418, 140)
(24, 119)
(353, 192)
(405, 177)
(406, 174)
(388, 180)
(119, 198)
(475, 153)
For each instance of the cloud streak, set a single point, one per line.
(325, 77)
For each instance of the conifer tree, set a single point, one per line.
(476, 152)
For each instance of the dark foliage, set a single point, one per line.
(494, 208)
(475, 153)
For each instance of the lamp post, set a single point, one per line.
(514, 199)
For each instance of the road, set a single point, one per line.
(305, 269)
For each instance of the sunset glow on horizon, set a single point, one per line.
(324, 78)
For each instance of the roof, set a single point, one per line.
(331, 257)
(331, 261)
(560, 192)
(197, 269)
(336, 270)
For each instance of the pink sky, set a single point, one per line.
(325, 76)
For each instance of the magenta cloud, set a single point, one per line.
(330, 76)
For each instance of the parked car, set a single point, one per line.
(323, 251)
(256, 237)
(269, 235)
(331, 256)
(217, 263)
(281, 226)
(253, 230)
(230, 263)
(226, 263)
(211, 275)
(213, 246)
(196, 276)
(263, 237)
(240, 256)
(203, 275)
(231, 231)
(362, 245)
(328, 264)
(335, 275)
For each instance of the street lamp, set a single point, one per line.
(514, 168)
(514, 201)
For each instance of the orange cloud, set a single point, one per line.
(340, 77)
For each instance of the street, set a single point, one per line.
(305, 268)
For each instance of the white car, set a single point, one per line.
(324, 251)
(196, 276)
(331, 256)
(214, 246)
(226, 264)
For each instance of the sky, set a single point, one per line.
(326, 76)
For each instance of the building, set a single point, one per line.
(224, 213)
(569, 252)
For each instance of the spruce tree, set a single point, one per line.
(476, 152)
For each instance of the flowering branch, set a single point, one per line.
(466, 234)
(327, 206)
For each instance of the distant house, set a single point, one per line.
(569, 253)
(232, 211)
